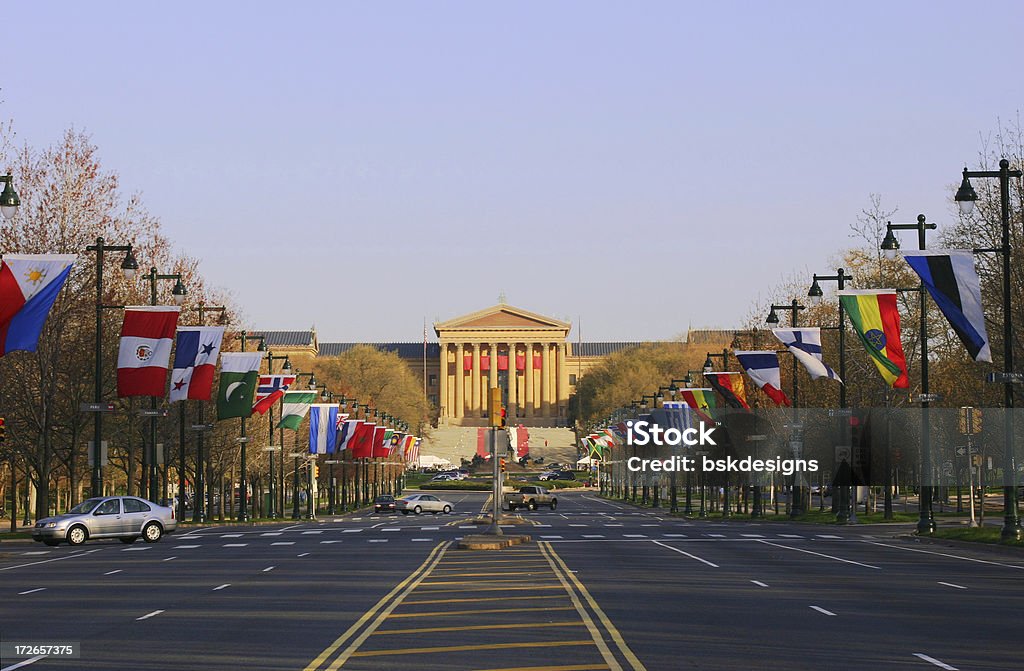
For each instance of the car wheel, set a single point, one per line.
(128, 540)
(532, 505)
(511, 507)
(77, 535)
(152, 532)
(405, 512)
(554, 503)
(52, 542)
(417, 510)
(447, 510)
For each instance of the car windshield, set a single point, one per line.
(84, 507)
(385, 499)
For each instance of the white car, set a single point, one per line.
(442, 477)
(423, 503)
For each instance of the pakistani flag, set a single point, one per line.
(294, 407)
(239, 373)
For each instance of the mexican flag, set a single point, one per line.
(877, 322)
(239, 373)
(294, 407)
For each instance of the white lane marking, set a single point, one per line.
(284, 543)
(593, 536)
(235, 545)
(650, 525)
(271, 533)
(472, 526)
(682, 552)
(311, 533)
(379, 524)
(292, 526)
(378, 540)
(752, 535)
(170, 558)
(819, 554)
(141, 547)
(429, 528)
(941, 665)
(828, 536)
(268, 569)
(614, 525)
(149, 615)
(186, 547)
(34, 563)
(191, 538)
(36, 552)
(790, 536)
(351, 531)
(538, 525)
(949, 584)
(30, 660)
(674, 535)
(231, 535)
(328, 542)
(422, 540)
(117, 570)
(822, 610)
(579, 525)
(716, 535)
(304, 554)
(758, 583)
(37, 589)
(549, 537)
(633, 536)
(942, 554)
(220, 587)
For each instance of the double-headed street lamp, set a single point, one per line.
(129, 266)
(797, 495)
(890, 245)
(198, 504)
(965, 198)
(815, 295)
(286, 367)
(243, 484)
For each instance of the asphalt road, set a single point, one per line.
(606, 586)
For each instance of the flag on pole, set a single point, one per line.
(678, 415)
(347, 432)
(145, 349)
(877, 323)
(323, 427)
(239, 372)
(294, 408)
(763, 369)
(731, 387)
(377, 446)
(951, 279)
(195, 362)
(269, 390)
(805, 345)
(702, 401)
(29, 284)
(415, 459)
(362, 442)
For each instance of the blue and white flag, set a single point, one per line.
(763, 369)
(805, 345)
(676, 415)
(951, 279)
(323, 428)
(195, 360)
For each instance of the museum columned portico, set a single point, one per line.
(522, 353)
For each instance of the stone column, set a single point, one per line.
(493, 372)
(475, 378)
(512, 400)
(460, 383)
(563, 379)
(545, 380)
(529, 397)
(446, 405)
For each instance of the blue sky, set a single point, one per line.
(641, 167)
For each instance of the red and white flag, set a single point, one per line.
(146, 337)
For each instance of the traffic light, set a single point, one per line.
(495, 411)
(504, 419)
(503, 465)
(316, 471)
(3, 429)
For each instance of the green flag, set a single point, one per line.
(294, 407)
(239, 373)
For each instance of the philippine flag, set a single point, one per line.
(195, 360)
(29, 284)
(145, 351)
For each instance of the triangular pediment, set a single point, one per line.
(502, 317)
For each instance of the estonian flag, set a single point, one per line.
(951, 279)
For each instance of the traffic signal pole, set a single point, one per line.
(495, 417)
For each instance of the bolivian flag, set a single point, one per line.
(877, 322)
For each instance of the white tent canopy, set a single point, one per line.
(430, 461)
(587, 461)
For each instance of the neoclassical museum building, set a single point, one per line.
(527, 355)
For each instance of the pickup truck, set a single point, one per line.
(529, 497)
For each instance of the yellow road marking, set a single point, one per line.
(494, 589)
(595, 634)
(484, 598)
(477, 627)
(474, 575)
(464, 648)
(484, 582)
(479, 611)
(432, 559)
(572, 667)
(609, 627)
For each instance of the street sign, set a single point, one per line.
(96, 407)
(947, 465)
(840, 412)
(152, 413)
(202, 427)
(1002, 378)
(272, 448)
(928, 398)
(961, 451)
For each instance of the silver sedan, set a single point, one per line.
(125, 517)
(423, 503)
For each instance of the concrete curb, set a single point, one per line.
(481, 542)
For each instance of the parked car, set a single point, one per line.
(124, 517)
(442, 477)
(423, 503)
(384, 504)
(548, 475)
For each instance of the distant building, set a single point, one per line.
(477, 351)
